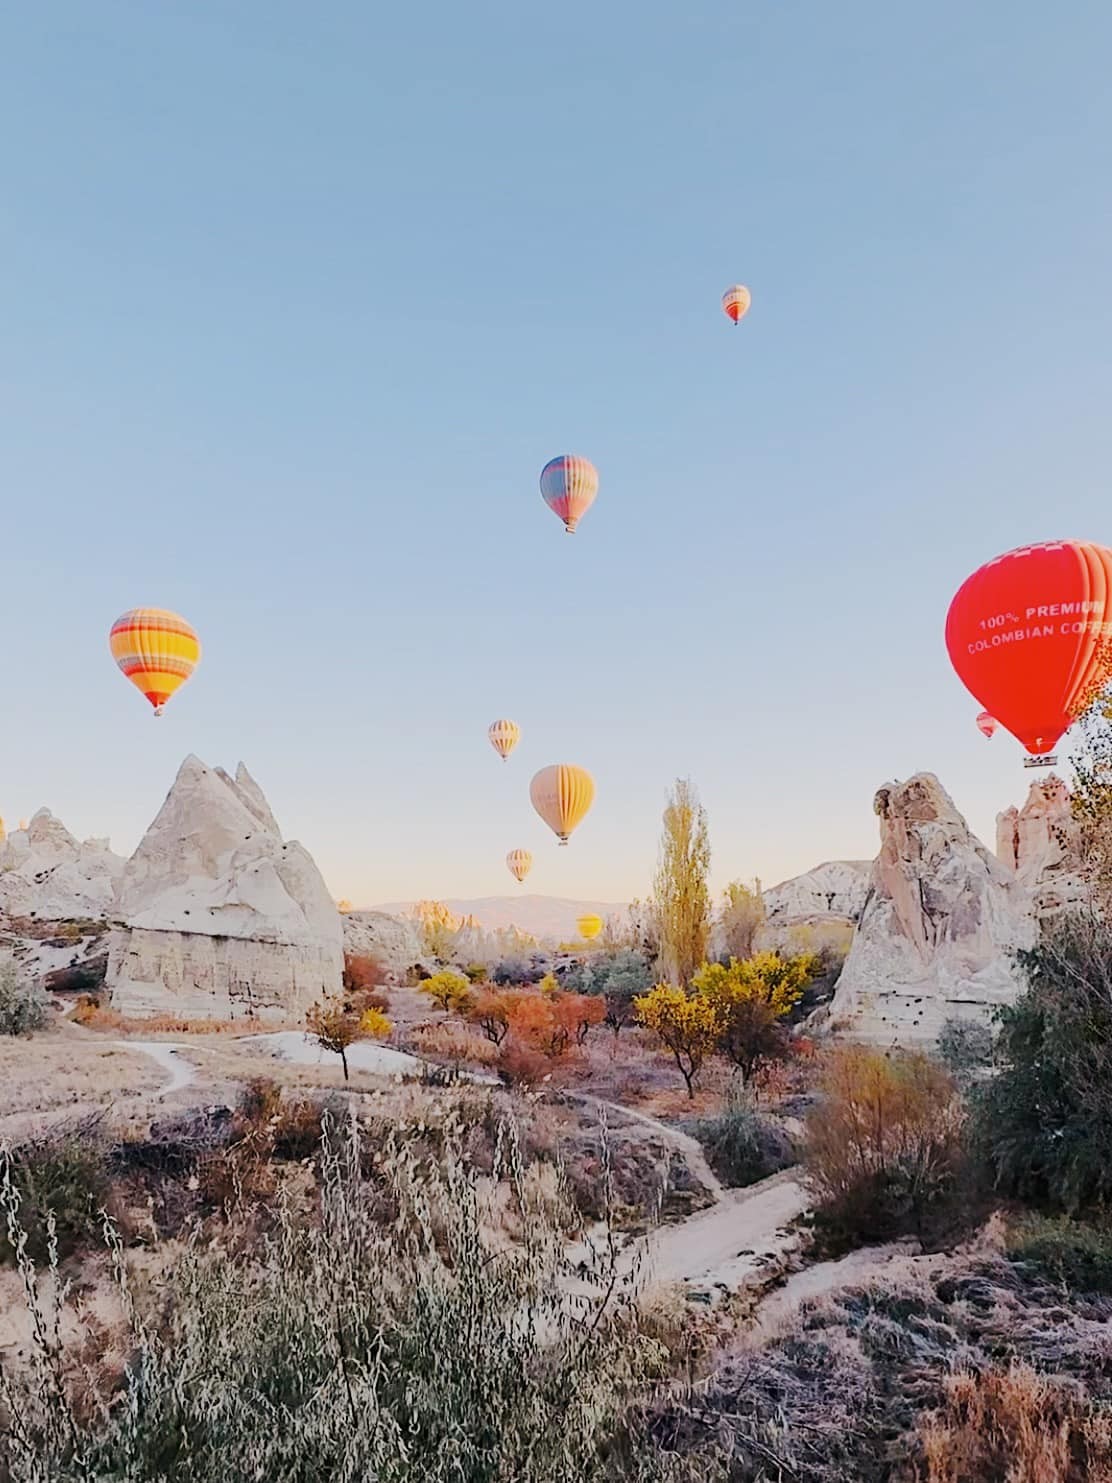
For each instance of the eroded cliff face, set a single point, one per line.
(221, 916)
(47, 874)
(1039, 842)
(937, 935)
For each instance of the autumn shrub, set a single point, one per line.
(1043, 1123)
(1075, 1254)
(455, 1044)
(521, 1065)
(24, 1007)
(884, 1147)
(491, 1012)
(1014, 1425)
(293, 1359)
(362, 971)
(578, 1012)
(536, 1022)
(688, 1024)
(741, 1145)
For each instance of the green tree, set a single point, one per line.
(688, 1024)
(681, 899)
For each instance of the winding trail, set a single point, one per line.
(182, 1073)
(691, 1147)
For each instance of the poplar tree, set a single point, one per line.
(681, 896)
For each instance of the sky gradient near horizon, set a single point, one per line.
(300, 299)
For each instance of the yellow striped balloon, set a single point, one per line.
(504, 736)
(589, 926)
(519, 863)
(562, 794)
(156, 650)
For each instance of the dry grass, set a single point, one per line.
(59, 1071)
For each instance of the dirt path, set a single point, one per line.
(182, 1073)
(691, 1147)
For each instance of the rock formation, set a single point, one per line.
(1039, 843)
(394, 941)
(820, 907)
(46, 874)
(937, 933)
(220, 916)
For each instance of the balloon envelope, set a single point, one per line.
(1028, 635)
(569, 485)
(736, 301)
(562, 794)
(504, 736)
(157, 650)
(987, 724)
(589, 926)
(519, 863)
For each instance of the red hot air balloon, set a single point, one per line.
(1028, 635)
(987, 724)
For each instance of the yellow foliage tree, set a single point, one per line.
(681, 900)
(373, 1023)
(778, 982)
(549, 984)
(451, 991)
(743, 915)
(688, 1024)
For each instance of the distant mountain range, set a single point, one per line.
(540, 916)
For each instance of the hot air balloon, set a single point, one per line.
(156, 650)
(569, 485)
(343, 906)
(736, 301)
(987, 724)
(589, 926)
(1028, 635)
(504, 736)
(519, 863)
(562, 794)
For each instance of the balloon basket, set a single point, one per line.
(1048, 761)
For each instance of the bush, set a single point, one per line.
(884, 1150)
(1072, 1253)
(965, 1048)
(454, 1044)
(362, 971)
(292, 1359)
(62, 1178)
(512, 973)
(1044, 1122)
(24, 1007)
(451, 992)
(742, 1146)
(521, 1065)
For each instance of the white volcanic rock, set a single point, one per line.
(837, 888)
(45, 873)
(936, 936)
(394, 941)
(1040, 843)
(221, 916)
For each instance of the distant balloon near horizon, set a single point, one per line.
(735, 302)
(156, 650)
(1029, 636)
(562, 795)
(519, 863)
(504, 736)
(343, 906)
(589, 926)
(569, 485)
(987, 725)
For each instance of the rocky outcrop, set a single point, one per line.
(1039, 842)
(817, 909)
(938, 930)
(221, 916)
(394, 941)
(47, 875)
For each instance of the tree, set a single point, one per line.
(688, 1024)
(24, 1007)
(618, 978)
(579, 1012)
(450, 991)
(778, 982)
(680, 896)
(1091, 804)
(335, 1027)
(491, 1012)
(743, 915)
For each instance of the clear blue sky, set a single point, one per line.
(298, 299)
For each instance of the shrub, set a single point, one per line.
(884, 1149)
(291, 1359)
(742, 1146)
(618, 978)
(965, 1048)
(578, 1012)
(491, 1012)
(455, 1044)
(61, 1178)
(512, 973)
(1015, 1426)
(1044, 1122)
(1073, 1253)
(362, 971)
(521, 1065)
(536, 1022)
(451, 992)
(24, 1007)
(335, 1027)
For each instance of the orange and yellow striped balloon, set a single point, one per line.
(562, 794)
(735, 302)
(504, 736)
(519, 863)
(156, 650)
(589, 926)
